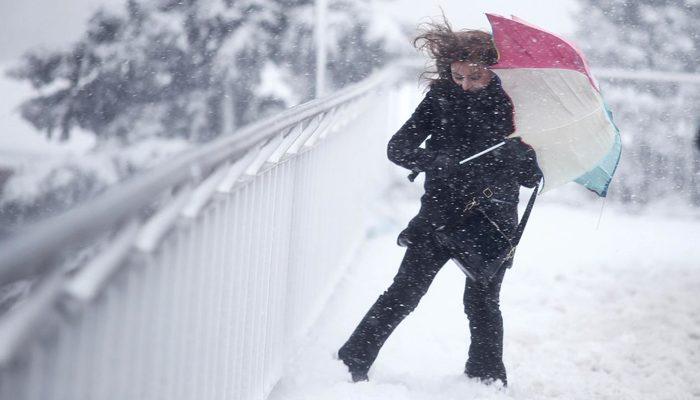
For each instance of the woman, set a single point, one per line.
(464, 112)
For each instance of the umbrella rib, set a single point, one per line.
(572, 89)
(522, 47)
(563, 103)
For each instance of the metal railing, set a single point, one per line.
(197, 279)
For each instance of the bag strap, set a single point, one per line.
(526, 215)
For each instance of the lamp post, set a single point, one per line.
(320, 40)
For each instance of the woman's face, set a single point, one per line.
(470, 77)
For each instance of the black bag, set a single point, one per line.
(480, 248)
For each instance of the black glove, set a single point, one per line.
(516, 148)
(519, 160)
(443, 165)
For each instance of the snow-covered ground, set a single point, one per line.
(591, 311)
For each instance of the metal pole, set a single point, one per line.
(320, 40)
(228, 113)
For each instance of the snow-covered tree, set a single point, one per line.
(176, 67)
(658, 119)
(144, 77)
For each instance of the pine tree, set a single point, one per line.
(175, 67)
(158, 71)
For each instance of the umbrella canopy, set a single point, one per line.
(559, 109)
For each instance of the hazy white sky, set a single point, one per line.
(552, 15)
(29, 23)
(49, 23)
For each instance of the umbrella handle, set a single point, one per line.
(412, 176)
(477, 155)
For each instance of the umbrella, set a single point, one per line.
(558, 106)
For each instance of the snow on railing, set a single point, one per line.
(205, 273)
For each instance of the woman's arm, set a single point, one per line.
(403, 148)
(503, 123)
(524, 158)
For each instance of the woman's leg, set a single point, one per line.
(481, 304)
(420, 264)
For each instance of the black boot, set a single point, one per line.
(357, 371)
(481, 304)
(487, 378)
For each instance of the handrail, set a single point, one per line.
(26, 254)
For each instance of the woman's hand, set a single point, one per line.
(520, 160)
(443, 165)
(512, 148)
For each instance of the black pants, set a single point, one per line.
(418, 269)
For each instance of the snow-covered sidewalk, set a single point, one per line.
(607, 313)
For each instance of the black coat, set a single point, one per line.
(458, 124)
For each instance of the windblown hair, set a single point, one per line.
(445, 46)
